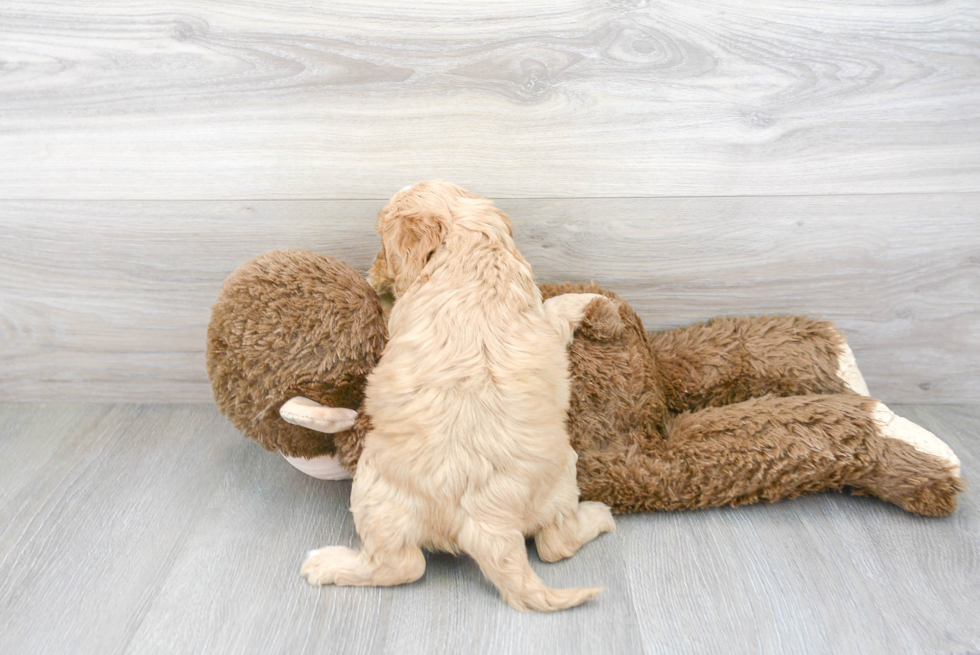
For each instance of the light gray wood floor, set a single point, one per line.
(158, 529)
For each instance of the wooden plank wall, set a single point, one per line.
(700, 158)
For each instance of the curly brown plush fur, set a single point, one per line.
(729, 412)
(737, 410)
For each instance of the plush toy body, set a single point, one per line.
(729, 412)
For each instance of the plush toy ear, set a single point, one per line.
(311, 414)
(412, 239)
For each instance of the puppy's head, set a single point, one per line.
(413, 225)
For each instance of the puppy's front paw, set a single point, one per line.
(321, 566)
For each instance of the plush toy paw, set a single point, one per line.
(567, 310)
(915, 469)
(602, 320)
(892, 426)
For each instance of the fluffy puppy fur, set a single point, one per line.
(469, 450)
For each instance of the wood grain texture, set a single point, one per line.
(882, 577)
(291, 99)
(158, 529)
(110, 300)
(85, 543)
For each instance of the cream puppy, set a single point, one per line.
(468, 450)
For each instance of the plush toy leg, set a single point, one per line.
(771, 448)
(729, 360)
(565, 312)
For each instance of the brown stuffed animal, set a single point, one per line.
(734, 411)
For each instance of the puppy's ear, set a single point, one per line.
(413, 238)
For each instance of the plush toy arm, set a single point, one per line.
(729, 360)
(567, 311)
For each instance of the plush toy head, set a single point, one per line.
(292, 323)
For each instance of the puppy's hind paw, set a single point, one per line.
(594, 519)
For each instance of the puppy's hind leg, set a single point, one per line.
(574, 524)
(502, 557)
(382, 519)
(569, 532)
(345, 567)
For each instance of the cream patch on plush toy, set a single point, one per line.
(324, 467)
(847, 370)
(893, 426)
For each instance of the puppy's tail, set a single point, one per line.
(503, 559)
